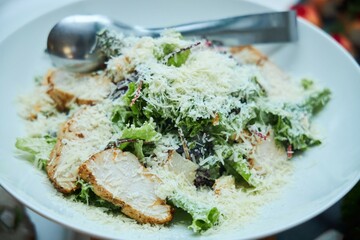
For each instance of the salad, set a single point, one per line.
(171, 125)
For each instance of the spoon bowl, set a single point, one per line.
(71, 43)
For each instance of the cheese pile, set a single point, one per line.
(215, 126)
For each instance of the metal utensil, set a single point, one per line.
(71, 43)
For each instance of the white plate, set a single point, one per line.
(322, 176)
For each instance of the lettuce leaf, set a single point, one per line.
(316, 101)
(203, 217)
(289, 126)
(86, 195)
(38, 147)
(120, 115)
(146, 132)
(238, 168)
(138, 149)
(131, 111)
(298, 139)
(291, 121)
(176, 57)
(307, 83)
(128, 98)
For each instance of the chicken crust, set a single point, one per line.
(274, 81)
(78, 139)
(87, 173)
(99, 87)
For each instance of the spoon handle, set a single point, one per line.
(273, 27)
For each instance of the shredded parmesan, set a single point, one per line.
(211, 86)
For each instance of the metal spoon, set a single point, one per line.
(71, 43)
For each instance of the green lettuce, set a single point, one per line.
(240, 168)
(38, 147)
(120, 115)
(289, 128)
(203, 217)
(307, 83)
(132, 111)
(129, 96)
(299, 138)
(86, 195)
(138, 149)
(289, 120)
(176, 57)
(316, 101)
(146, 132)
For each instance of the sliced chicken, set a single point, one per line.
(84, 134)
(267, 154)
(118, 177)
(84, 89)
(275, 82)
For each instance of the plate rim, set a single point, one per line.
(49, 215)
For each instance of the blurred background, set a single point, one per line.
(339, 18)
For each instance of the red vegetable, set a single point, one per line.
(260, 135)
(344, 41)
(289, 151)
(208, 43)
(308, 12)
(137, 94)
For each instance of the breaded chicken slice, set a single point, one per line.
(118, 177)
(84, 134)
(84, 89)
(267, 155)
(276, 83)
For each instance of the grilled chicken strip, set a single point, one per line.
(84, 89)
(275, 82)
(277, 85)
(118, 177)
(83, 135)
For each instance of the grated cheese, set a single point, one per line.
(208, 85)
